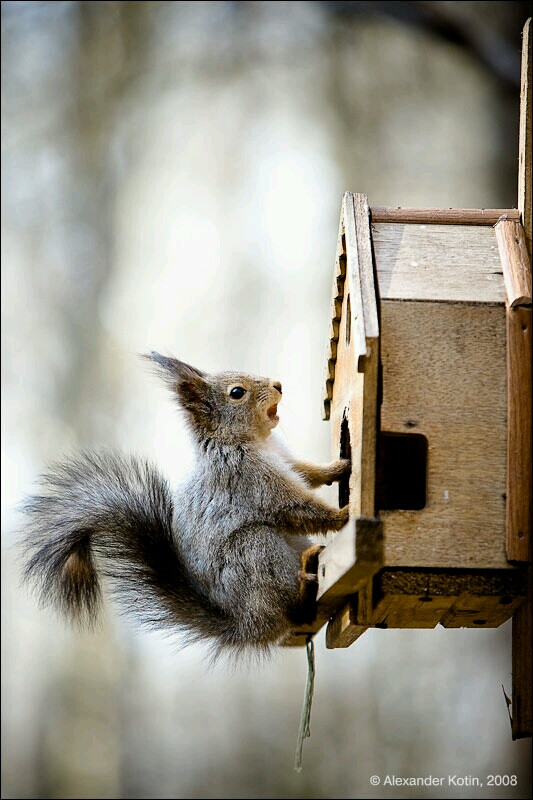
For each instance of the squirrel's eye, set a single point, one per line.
(237, 392)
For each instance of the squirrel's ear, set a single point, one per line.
(188, 383)
(174, 370)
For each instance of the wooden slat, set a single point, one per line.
(337, 295)
(411, 611)
(354, 389)
(444, 376)
(522, 694)
(519, 536)
(352, 619)
(515, 262)
(422, 599)
(438, 262)
(452, 583)
(525, 146)
(365, 263)
(480, 612)
(354, 555)
(344, 628)
(356, 276)
(393, 598)
(522, 707)
(443, 216)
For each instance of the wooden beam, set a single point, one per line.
(480, 612)
(354, 556)
(444, 216)
(353, 619)
(344, 628)
(414, 598)
(515, 262)
(525, 144)
(522, 707)
(519, 537)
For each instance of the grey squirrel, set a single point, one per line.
(226, 558)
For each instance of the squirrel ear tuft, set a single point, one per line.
(173, 369)
(189, 385)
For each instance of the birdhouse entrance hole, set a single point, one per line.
(401, 471)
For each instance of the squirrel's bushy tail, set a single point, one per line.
(108, 515)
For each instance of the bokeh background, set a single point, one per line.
(172, 175)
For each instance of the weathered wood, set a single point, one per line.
(407, 611)
(438, 262)
(422, 599)
(355, 379)
(352, 619)
(354, 555)
(519, 536)
(444, 376)
(443, 216)
(522, 706)
(403, 589)
(525, 145)
(480, 612)
(358, 404)
(337, 295)
(344, 628)
(355, 289)
(519, 515)
(451, 583)
(362, 276)
(515, 262)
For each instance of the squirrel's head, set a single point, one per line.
(230, 406)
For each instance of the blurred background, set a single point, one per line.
(172, 175)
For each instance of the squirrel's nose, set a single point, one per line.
(277, 385)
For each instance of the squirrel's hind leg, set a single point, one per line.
(308, 577)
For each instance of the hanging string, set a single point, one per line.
(304, 731)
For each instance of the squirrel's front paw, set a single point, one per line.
(337, 469)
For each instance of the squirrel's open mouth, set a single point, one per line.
(272, 413)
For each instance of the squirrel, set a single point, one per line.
(225, 559)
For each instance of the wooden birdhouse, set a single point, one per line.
(428, 392)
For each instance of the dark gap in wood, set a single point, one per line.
(345, 452)
(348, 321)
(401, 473)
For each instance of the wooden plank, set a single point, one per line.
(444, 371)
(355, 614)
(522, 694)
(356, 285)
(522, 707)
(344, 628)
(519, 536)
(525, 145)
(411, 611)
(480, 612)
(352, 619)
(365, 263)
(337, 296)
(515, 262)
(422, 599)
(349, 560)
(354, 390)
(438, 262)
(443, 216)
(451, 583)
